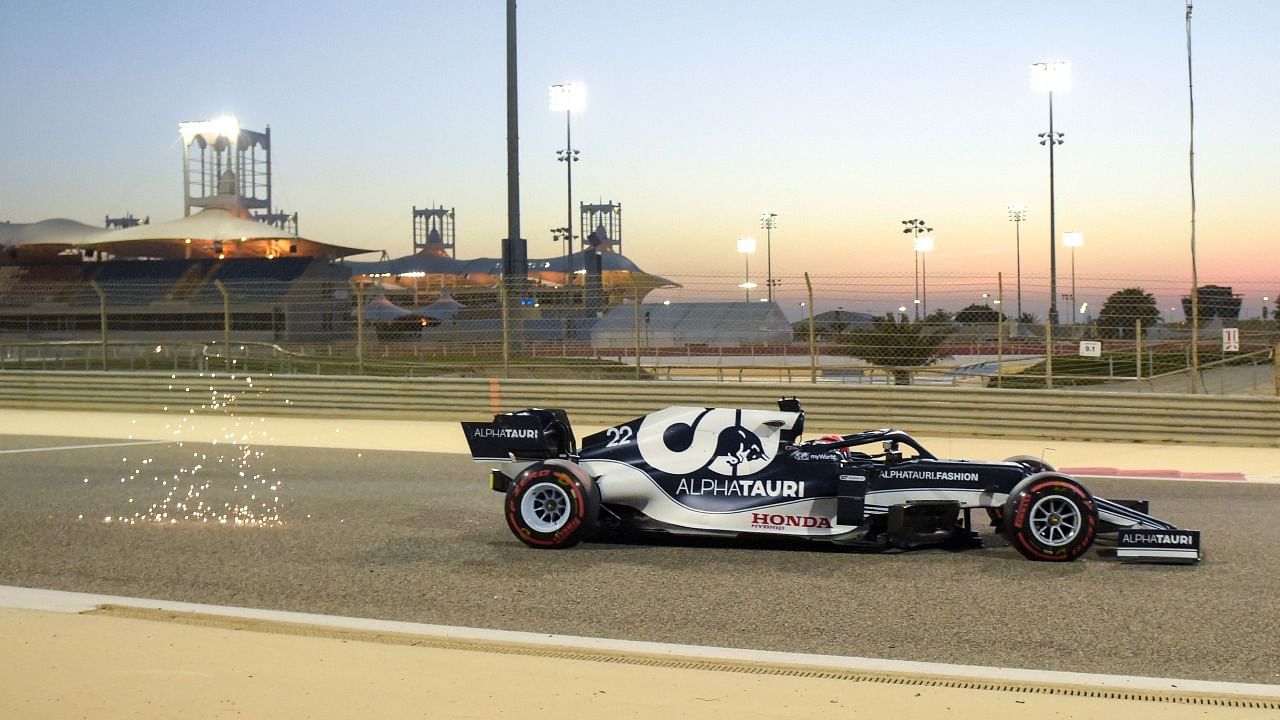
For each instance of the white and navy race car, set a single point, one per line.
(722, 471)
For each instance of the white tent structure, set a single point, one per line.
(442, 310)
(380, 309)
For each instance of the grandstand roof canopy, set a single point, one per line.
(432, 264)
(193, 236)
(59, 231)
(616, 269)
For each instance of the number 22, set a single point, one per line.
(618, 435)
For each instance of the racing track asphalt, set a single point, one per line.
(418, 537)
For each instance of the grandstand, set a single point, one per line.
(285, 299)
(221, 268)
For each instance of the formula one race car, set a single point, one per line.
(720, 471)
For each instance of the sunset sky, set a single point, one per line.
(843, 116)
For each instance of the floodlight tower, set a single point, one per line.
(924, 246)
(914, 227)
(1073, 240)
(1017, 216)
(569, 98)
(746, 246)
(1050, 77)
(769, 223)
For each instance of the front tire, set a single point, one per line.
(552, 504)
(1033, 465)
(1051, 518)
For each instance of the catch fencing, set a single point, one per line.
(797, 329)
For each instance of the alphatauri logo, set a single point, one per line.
(505, 433)
(685, 441)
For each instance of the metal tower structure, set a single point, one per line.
(604, 222)
(283, 220)
(433, 230)
(225, 166)
(127, 221)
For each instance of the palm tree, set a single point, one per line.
(895, 344)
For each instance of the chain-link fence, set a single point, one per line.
(970, 330)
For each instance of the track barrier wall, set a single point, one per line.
(1023, 414)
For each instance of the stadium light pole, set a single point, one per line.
(924, 246)
(1018, 214)
(746, 246)
(769, 221)
(914, 227)
(557, 235)
(568, 98)
(1073, 240)
(1051, 77)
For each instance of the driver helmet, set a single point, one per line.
(843, 452)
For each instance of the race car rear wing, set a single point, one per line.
(530, 434)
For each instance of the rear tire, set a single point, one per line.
(552, 504)
(1033, 465)
(1051, 518)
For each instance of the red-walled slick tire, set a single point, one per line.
(1050, 517)
(552, 504)
(1033, 465)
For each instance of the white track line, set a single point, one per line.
(69, 602)
(85, 447)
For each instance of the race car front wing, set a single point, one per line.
(1158, 546)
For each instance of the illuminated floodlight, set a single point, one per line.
(568, 97)
(746, 245)
(748, 285)
(227, 126)
(924, 243)
(1051, 76)
(1073, 239)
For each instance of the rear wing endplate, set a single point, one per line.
(525, 434)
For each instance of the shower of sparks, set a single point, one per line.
(226, 484)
